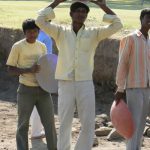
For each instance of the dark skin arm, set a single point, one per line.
(103, 6)
(55, 3)
(119, 96)
(100, 3)
(17, 71)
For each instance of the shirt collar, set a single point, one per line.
(79, 32)
(81, 29)
(139, 34)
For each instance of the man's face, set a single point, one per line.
(79, 15)
(31, 35)
(146, 21)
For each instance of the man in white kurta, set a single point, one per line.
(76, 44)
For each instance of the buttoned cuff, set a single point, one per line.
(48, 13)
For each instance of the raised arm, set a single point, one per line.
(44, 20)
(111, 18)
(103, 6)
(55, 3)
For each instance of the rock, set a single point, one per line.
(148, 121)
(103, 131)
(99, 122)
(97, 125)
(74, 130)
(114, 135)
(105, 117)
(105, 61)
(95, 143)
(102, 120)
(147, 132)
(110, 125)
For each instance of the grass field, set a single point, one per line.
(14, 12)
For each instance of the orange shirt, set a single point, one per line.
(134, 62)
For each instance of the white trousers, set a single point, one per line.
(37, 128)
(139, 104)
(82, 95)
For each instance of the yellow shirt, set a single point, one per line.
(24, 55)
(76, 52)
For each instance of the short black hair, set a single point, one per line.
(29, 24)
(144, 12)
(77, 5)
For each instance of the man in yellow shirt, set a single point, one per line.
(76, 44)
(22, 61)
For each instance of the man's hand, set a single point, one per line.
(119, 96)
(18, 71)
(56, 3)
(35, 68)
(59, 1)
(99, 2)
(103, 6)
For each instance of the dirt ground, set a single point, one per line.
(8, 118)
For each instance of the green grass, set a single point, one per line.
(14, 12)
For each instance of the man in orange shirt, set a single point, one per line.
(133, 76)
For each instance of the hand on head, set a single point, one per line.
(99, 2)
